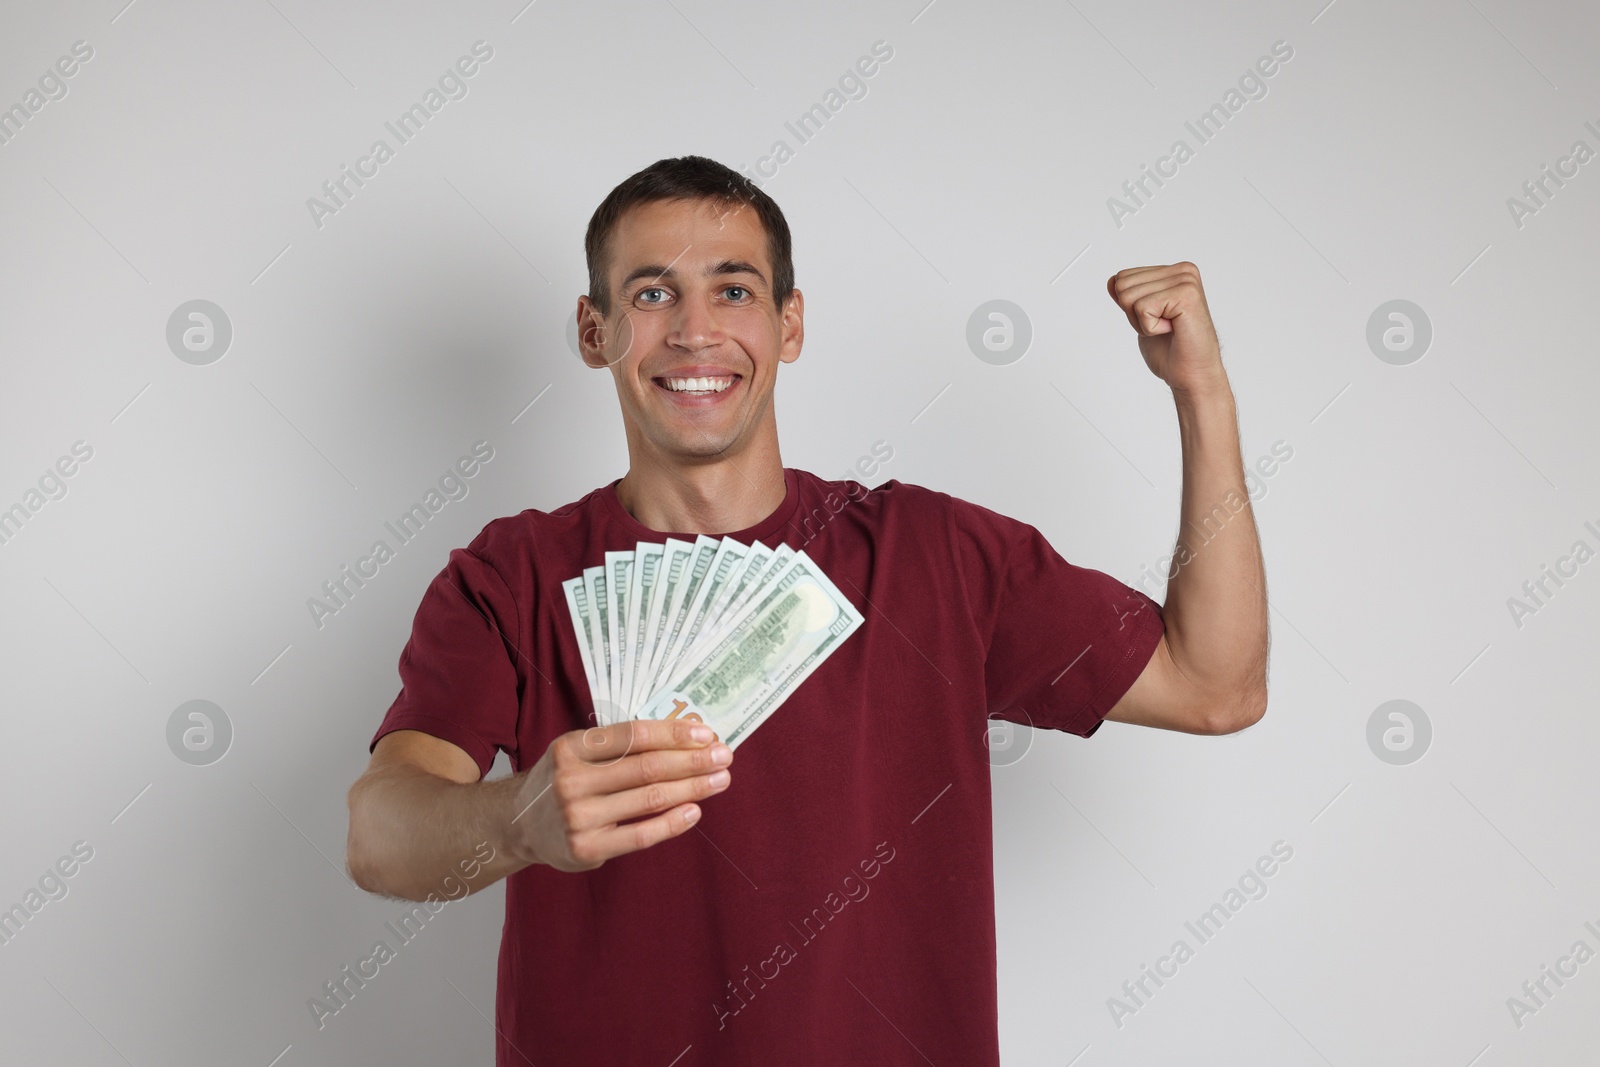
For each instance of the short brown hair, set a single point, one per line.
(686, 178)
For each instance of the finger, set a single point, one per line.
(1127, 299)
(607, 744)
(1149, 310)
(648, 768)
(1127, 293)
(1167, 291)
(1153, 314)
(634, 836)
(600, 812)
(1140, 275)
(1125, 279)
(1126, 286)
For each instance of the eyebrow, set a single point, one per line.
(659, 273)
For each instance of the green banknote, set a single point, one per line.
(783, 633)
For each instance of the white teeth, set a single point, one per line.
(698, 385)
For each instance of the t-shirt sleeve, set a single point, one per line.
(1064, 642)
(458, 674)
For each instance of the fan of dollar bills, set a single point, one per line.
(709, 629)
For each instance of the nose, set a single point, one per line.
(695, 324)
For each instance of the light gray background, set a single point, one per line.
(370, 353)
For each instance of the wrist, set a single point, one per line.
(520, 804)
(1214, 392)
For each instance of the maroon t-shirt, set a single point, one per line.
(836, 903)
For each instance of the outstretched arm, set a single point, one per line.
(422, 822)
(1209, 673)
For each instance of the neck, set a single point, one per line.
(710, 498)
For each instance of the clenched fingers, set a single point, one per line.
(607, 744)
(606, 810)
(639, 769)
(597, 846)
(1149, 296)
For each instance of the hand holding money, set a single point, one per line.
(573, 803)
(712, 630)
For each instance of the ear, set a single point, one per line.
(591, 334)
(794, 327)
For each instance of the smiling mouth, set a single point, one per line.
(705, 385)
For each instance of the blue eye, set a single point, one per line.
(736, 288)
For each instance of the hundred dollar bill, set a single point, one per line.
(583, 626)
(705, 550)
(710, 589)
(742, 578)
(670, 577)
(619, 569)
(778, 640)
(780, 559)
(647, 563)
(646, 560)
(594, 584)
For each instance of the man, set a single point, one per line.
(836, 904)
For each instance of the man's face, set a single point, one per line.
(692, 306)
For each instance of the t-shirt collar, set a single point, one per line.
(760, 531)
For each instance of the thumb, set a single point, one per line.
(1154, 324)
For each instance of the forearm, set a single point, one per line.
(413, 833)
(1216, 609)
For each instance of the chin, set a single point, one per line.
(703, 447)
(688, 442)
